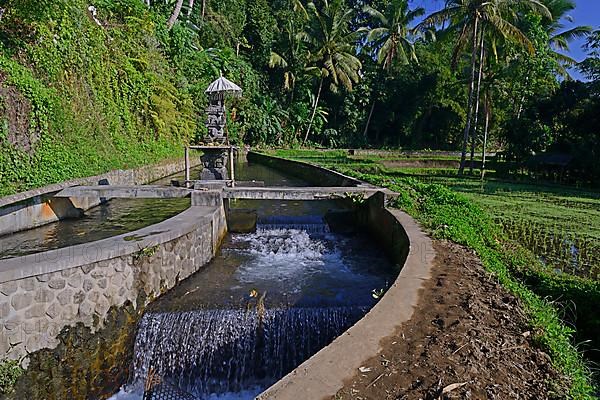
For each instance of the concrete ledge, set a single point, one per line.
(39, 207)
(296, 193)
(125, 192)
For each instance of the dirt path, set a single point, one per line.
(469, 339)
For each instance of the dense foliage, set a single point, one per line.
(10, 371)
(88, 88)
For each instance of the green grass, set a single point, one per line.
(546, 218)
(10, 371)
(457, 217)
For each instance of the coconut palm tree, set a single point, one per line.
(332, 51)
(292, 54)
(560, 39)
(471, 20)
(390, 38)
(175, 14)
(390, 35)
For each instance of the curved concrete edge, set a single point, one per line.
(323, 375)
(109, 248)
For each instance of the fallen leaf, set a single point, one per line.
(452, 387)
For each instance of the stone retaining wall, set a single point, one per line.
(40, 294)
(37, 207)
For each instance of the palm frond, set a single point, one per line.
(377, 33)
(509, 31)
(298, 7)
(275, 60)
(561, 40)
(375, 14)
(438, 18)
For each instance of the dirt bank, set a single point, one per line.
(468, 340)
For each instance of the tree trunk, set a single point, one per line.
(314, 111)
(477, 97)
(463, 157)
(203, 8)
(175, 15)
(366, 131)
(190, 8)
(486, 103)
(522, 99)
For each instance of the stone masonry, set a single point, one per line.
(33, 310)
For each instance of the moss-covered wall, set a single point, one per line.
(78, 99)
(84, 365)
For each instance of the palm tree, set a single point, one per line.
(559, 40)
(292, 54)
(390, 37)
(332, 50)
(471, 20)
(175, 14)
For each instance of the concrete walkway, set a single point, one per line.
(296, 193)
(126, 192)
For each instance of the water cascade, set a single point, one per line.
(266, 303)
(205, 352)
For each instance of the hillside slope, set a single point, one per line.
(81, 93)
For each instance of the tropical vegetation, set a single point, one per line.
(86, 88)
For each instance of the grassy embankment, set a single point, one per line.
(464, 219)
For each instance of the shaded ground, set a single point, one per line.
(468, 340)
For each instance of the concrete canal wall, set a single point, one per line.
(322, 375)
(312, 174)
(42, 293)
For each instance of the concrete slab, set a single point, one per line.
(128, 192)
(297, 193)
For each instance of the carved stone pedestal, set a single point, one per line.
(214, 164)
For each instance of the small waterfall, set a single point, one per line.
(312, 224)
(217, 351)
(203, 341)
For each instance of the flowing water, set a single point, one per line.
(267, 302)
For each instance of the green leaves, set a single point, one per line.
(10, 371)
(390, 33)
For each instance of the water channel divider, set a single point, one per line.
(39, 206)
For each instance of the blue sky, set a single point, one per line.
(586, 13)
